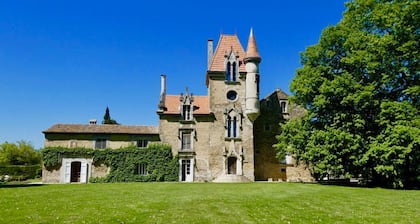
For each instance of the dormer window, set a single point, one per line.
(231, 66)
(186, 112)
(186, 107)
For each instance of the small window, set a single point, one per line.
(186, 141)
(141, 169)
(142, 143)
(73, 144)
(232, 95)
(283, 106)
(232, 127)
(100, 143)
(234, 71)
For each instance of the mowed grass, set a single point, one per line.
(206, 203)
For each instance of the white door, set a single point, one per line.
(187, 170)
(83, 172)
(67, 172)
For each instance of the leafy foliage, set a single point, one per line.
(361, 87)
(161, 165)
(20, 153)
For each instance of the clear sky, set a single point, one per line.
(66, 61)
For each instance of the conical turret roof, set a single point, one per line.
(251, 49)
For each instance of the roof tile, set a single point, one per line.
(101, 129)
(201, 104)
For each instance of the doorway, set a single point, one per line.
(232, 165)
(75, 171)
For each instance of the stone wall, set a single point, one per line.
(50, 176)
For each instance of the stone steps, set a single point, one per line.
(230, 178)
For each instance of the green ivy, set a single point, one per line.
(160, 163)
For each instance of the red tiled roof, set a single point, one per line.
(101, 129)
(225, 45)
(201, 104)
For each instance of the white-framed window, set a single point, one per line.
(141, 169)
(100, 143)
(186, 139)
(142, 143)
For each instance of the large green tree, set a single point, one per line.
(361, 87)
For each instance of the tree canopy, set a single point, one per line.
(360, 85)
(107, 118)
(20, 153)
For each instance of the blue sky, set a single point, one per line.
(66, 61)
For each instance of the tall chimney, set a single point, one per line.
(162, 84)
(162, 105)
(209, 52)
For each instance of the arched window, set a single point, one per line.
(228, 74)
(229, 127)
(234, 71)
(232, 127)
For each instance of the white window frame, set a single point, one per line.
(185, 133)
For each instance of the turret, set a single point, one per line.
(252, 60)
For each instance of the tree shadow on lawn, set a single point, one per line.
(20, 185)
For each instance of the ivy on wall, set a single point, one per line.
(124, 162)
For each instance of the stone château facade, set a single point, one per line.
(225, 136)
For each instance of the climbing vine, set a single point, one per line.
(157, 159)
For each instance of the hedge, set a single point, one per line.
(21, 172)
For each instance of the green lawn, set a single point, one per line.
(206, 203)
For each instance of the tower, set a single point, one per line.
(252, 60)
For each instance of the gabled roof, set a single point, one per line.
(172, 104)
(101, 129)
(226, 44)
(281, 95)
